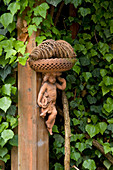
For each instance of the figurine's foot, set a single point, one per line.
(49, 128)
(43, 115)
(50, 131)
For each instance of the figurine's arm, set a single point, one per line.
(41, 93)
(63, 81)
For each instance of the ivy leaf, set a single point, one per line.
(89, 164)
(22, 60)
(2, 37)
(5, 72)
(5, 103)
(75, 155)
(84, 11)
(105, 89)
(37, 20)
(31, 28)
(106, 147)
(84, 61)
(102, 127)
(20, 47)
(103, 72)
(107, 164)
(14, 141)
(89, 142)
(98, 153)
(6, 19)
(10, 53)
(14, 7)
(6, 2)
(40, 39)
(86, 75)
(110, 120)
(3, 62)
(58, 138)
(76, 3)
(71, 78)
(13, 90)
(5, 158)
(11, 27)
(0, 118)
(41, 10)
(108, 57)
(69, 94)
(4, 126)
(89, 45)
(108, 80)
(67, 1)
(96, 109)
(54, 2)
(91, 99)
(111, 67)
(58, 166)
(76, 69)
(93, 52)
(3, 151)
(12, 120)
(110, 127)
(55, 129)
(94, 118)
(111, 26)
(11, 110)
(7, 134)
(92, 130)
(76, 121)
(55, 31)
(10, 80)
(103, 48)
(2, 142)
(80, 146)
(6, 89)
(108, 106)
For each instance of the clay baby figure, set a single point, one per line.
(47, 97)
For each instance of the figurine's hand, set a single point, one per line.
(42, 105)
(59, 78)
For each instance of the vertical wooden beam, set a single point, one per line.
(33, 136)
(43, 139)
(14, 158)
(75, 26)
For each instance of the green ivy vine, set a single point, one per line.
(89, 84)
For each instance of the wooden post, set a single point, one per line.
(33, 146)
(14, 158)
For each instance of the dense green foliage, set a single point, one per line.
(89, 84)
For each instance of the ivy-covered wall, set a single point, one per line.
(89, 84)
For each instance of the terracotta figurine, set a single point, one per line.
(47, 97)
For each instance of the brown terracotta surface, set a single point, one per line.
(47, 97)
(50, 65)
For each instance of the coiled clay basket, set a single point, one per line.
(51, 55)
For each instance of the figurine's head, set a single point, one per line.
(51, 77)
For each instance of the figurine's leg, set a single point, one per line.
(51, 120)
(43, 112)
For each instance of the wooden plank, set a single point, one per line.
(33, 136)
(14, 158)
(14, 154)
(75, 26)
(2, 165)
(43, 139)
